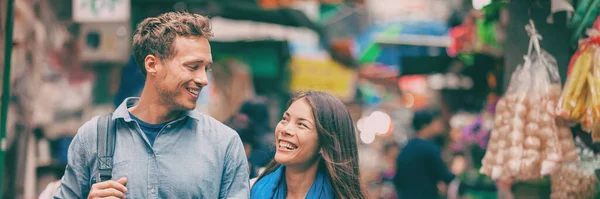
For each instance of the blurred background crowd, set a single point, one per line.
(386, 59)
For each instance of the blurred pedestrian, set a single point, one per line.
(420, 168)
(131, 83)
(244, 126)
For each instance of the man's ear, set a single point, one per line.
(150, 63)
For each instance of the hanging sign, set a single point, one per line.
(324, 75)
(85, 11)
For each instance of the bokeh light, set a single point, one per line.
(367, 137)
(379, 122)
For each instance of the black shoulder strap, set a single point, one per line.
(106, 147)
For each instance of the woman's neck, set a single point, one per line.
(299, 180)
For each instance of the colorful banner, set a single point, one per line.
(324, 75)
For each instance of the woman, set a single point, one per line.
(317, 154)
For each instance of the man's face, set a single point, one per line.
(433, 129)
(436, 127)
(180, 79)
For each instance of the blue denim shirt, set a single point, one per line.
(194, 156)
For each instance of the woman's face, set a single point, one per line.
(296, 136)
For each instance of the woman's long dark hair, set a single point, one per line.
(338, 142)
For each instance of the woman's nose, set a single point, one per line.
(287, 131)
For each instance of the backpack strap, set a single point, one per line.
(106, 147)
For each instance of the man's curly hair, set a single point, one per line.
(155, 35)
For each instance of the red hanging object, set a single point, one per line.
(584, 44)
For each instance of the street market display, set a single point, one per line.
(528, 141)
(580, 100)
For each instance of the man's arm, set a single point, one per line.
(397, 176)
(75, 181)
(235, 182)
(441, 171)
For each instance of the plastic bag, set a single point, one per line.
(580, 100)
(525, 142)
(573, 180)
(576, 101)
(577, 179)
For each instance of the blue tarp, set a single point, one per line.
(391, 54)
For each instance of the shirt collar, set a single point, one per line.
(123, 112)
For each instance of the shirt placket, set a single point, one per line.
(152, 175)
(153, 168)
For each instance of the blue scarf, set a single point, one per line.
(273, 186)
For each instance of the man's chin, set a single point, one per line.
(187, 107)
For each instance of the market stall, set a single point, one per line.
(542, 142)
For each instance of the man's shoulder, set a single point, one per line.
(205, 122)
(88, 132)
(419, 146)
(422, 142)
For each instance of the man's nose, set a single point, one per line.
(201, 78)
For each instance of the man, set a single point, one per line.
(164, 148)
(420, 167)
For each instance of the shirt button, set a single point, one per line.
(153, 190)
(168, 126)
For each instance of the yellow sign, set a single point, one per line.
(323, 75)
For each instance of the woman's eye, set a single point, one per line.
(303, 125)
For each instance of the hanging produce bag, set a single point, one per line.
(527, 142)
(577, 179)
(574, 180)
(580, 100)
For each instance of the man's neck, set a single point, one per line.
(299, 180)
(424, 135)
(150, 110)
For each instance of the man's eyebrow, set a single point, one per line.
(194, 62)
